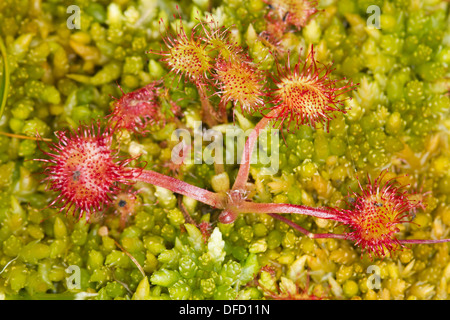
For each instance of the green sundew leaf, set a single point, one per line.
(4, 80)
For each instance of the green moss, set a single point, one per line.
(398, 119)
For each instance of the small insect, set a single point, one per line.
(76, 175)
(377, 204)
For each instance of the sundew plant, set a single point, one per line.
(133, 139)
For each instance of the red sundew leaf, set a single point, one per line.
(137, 109)
(306, 94)
(374, 215)
(84, 170)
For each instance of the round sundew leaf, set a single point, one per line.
(375, 213)
(306, 94)
(84, 169)
(241, 83)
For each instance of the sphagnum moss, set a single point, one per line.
(61, 76)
